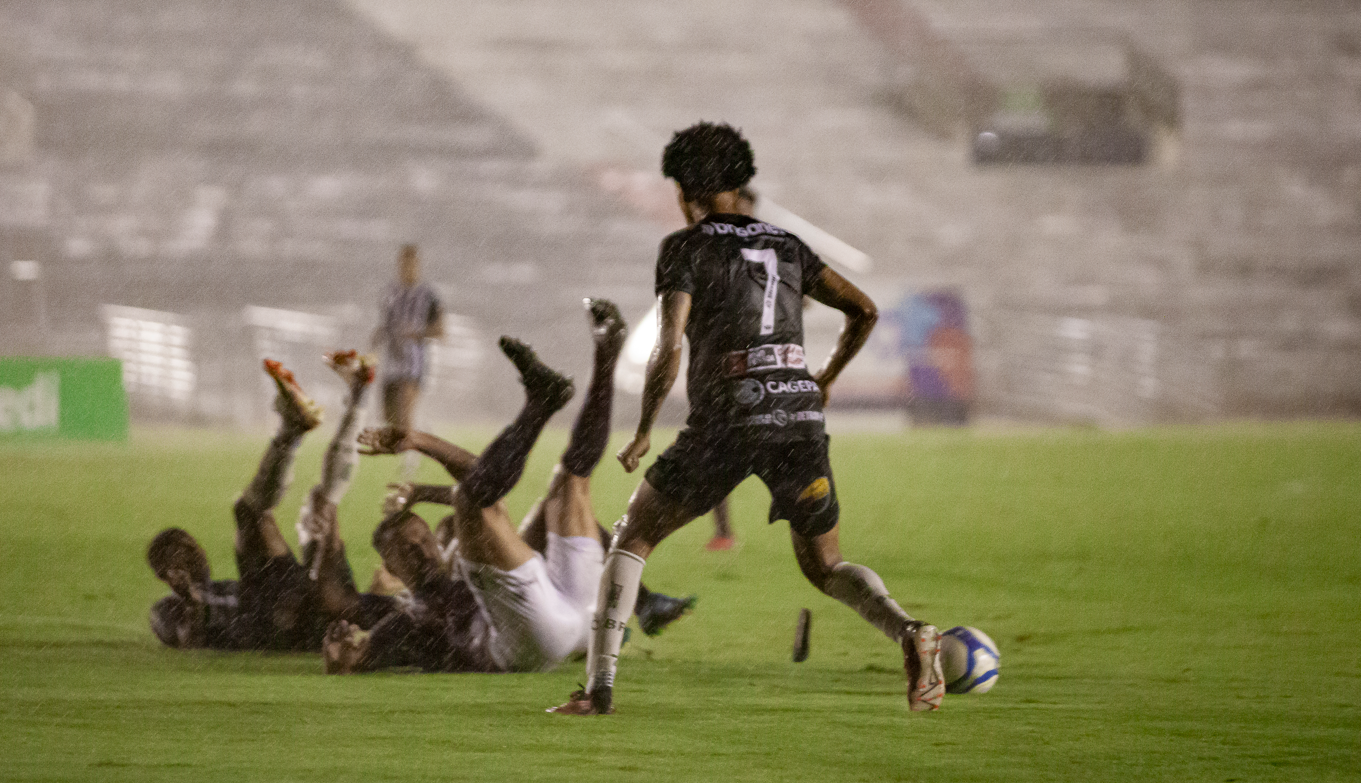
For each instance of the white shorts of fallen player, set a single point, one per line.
(540, 613)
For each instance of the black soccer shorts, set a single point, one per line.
(701, 468)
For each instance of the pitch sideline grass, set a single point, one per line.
(1172, 604)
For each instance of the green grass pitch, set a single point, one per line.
(1171, 605)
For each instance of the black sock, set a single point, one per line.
(591, 432)
(499, 466)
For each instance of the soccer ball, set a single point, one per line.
(969, 659)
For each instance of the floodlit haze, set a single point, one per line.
(1148, 210)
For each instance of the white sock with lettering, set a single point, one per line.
(614, 606)
(862, 590)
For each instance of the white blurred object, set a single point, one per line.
(154, 349)
(25, 271)
(828, 247)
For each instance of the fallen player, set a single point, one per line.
(513, 601)
(277, 603)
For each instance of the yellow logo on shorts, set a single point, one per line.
(816, 491)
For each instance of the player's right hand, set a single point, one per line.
(397, 498)
(630, 455)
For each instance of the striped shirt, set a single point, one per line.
(406, 310)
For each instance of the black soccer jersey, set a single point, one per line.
(276, 608)
(746, 280)
(442, 630)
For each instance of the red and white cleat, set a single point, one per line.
(921, 659)
(353, 368)
(292, 403)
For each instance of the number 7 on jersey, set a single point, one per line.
(766, 256)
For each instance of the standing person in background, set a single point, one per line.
(723, 538)
(411, 315)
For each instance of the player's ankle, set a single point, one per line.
(602, 698)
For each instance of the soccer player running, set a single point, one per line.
(734, 286)
(535, 608)
(277, 603)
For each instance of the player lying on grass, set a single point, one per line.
(734, 287)
(655, 611)
(277, 603)
(514, 601)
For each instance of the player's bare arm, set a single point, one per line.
(662, 368)
(391, 440)
(837, 292)
(401, 496)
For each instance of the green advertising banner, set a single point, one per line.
(62, 398)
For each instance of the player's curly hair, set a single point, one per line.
(706, 159)
(389, 526)
(166, 541)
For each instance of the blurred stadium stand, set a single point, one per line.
(230, 162)
(205, 158)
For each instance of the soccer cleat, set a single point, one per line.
(802, 630)
(292, 403)
(583, 703)
(351, 367)
(720, 543)
(921, 659)
(541, 382)
(659, 611)
(608, 328)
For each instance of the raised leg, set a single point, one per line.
(483, 528)
(257, 534)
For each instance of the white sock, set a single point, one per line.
(862, 590)
(613, 608)
(342, 456)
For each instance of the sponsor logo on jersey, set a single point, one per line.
(755, 229)
(816, 491)
(748, 392)
(764, 357)
(791, 387)
(781, 418)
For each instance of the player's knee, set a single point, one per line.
(245, 512)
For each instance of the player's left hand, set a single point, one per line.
(630, 455)
(382, 440)
(344, 647)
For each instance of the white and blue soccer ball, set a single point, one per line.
(969, 659)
